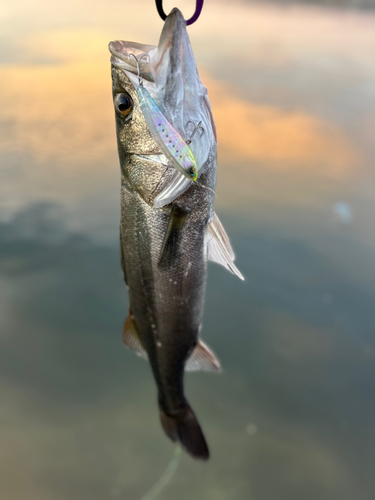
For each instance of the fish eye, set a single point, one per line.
(123, 105)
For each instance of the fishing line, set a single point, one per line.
(205, 187)
(166, 477)
(194, 17)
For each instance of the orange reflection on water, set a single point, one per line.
(60, 114)
(59, 110)
(256, 132)
(65, 110)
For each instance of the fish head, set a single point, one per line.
(133, 134)
(169, 74)
(144, 168)
(179, 89)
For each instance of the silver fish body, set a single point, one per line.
(164, 249)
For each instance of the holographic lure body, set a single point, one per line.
(167, 137)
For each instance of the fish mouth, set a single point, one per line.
(122, 57)
(122, 52)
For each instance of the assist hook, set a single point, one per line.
(194, 17)
(138, 61)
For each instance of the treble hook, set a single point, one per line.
(138, 61)
(194, 17)
(198, 127)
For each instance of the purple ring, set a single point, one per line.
(194, 17)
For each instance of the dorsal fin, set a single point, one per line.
(218, 246)
(131, 338)
(202, 358)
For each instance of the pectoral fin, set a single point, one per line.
(177, 185)
(218, 246)
(202, 358)
(131, 338)
(171, 244)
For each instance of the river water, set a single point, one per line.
(292, 415)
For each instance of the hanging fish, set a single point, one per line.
(168, 227)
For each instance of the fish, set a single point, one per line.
(168, 227)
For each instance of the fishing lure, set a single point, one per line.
(171, 143)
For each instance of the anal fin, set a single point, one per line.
(131, 338)
(202, 358)
(218, 246)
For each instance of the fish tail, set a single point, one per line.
(187, 431)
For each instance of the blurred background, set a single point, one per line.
(291, 417)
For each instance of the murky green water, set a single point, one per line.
(292, 415)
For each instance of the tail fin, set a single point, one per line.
(187, 431)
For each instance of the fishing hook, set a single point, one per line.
(138, 61)
(198, 127)
(194, 17)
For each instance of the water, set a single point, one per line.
(292, 414)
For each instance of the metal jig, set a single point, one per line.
(140, 82)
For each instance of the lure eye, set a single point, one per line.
(191, 172)
(123, 105)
